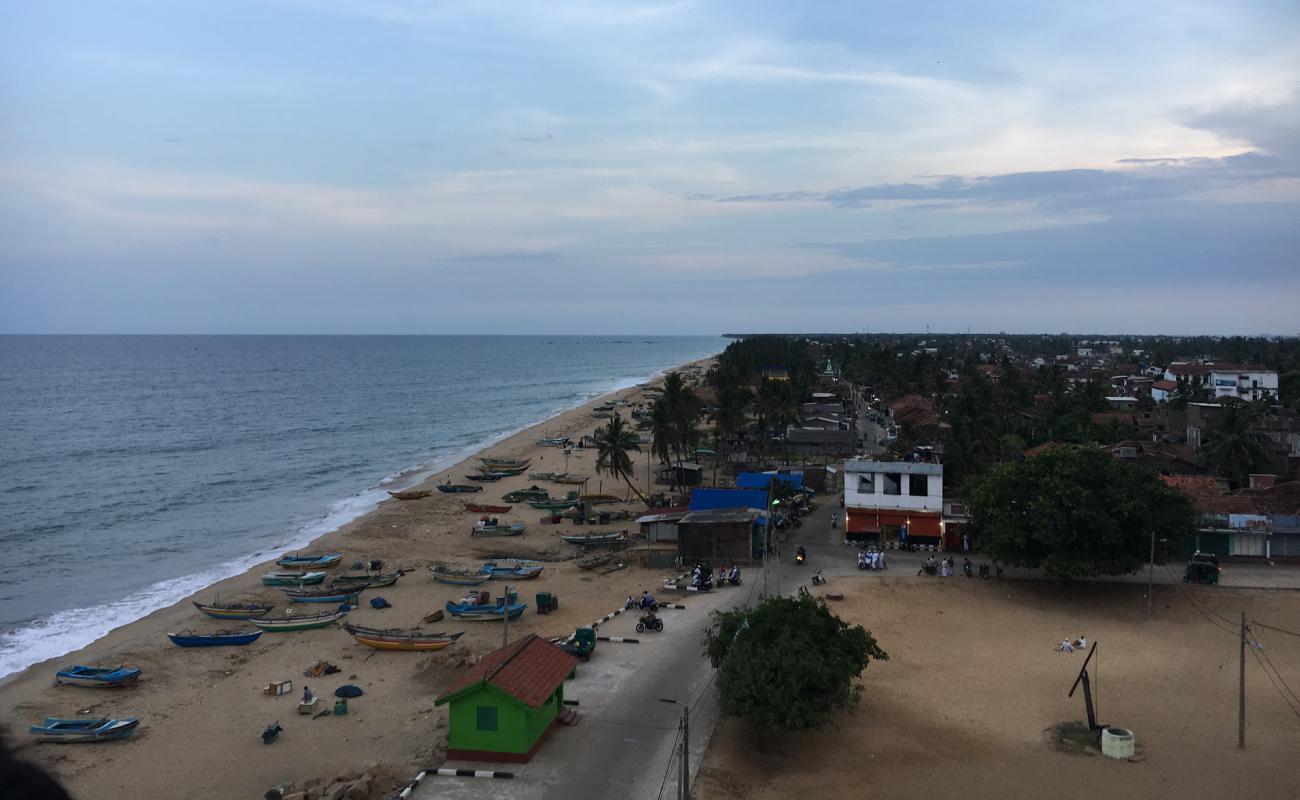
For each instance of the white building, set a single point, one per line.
(1246, 381)
(883, 498)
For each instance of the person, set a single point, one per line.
(945, 571)
(647, 599)
(1081, 643)
(863, 562)
(819, 578)
(967, 568)
(631, 602)
(307, 695)
(834, 520)
(1066, 647)
(965, 543)
(879, 562)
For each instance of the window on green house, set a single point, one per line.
(487, 718)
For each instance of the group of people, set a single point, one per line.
(647, 601)
(1068, 646)
(871, 559)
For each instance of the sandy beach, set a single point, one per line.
(203, 709)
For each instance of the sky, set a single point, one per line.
(394, 166)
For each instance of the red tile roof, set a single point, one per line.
(529, 670)
(1225, 504)
(1194, 485)
(1168, 386)
(1042, 448)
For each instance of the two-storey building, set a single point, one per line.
(892, 501)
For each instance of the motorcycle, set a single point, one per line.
(731, 576)
(649, 622)
(966, 569)
(819, 579)
(800, 556)
(928, 569)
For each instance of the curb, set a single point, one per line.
(452, 773)
(625, 639)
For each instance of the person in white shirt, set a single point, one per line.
(1081, 643)
(1066, 647)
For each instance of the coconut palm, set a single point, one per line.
(612, 445)
(1233, 448)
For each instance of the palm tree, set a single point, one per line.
(664, 435)
(732, 401)
(612, 445)
(1233, 449)
(778, 405)
(682, 408)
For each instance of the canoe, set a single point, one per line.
(310, 561)
(552, 442)
(411, 494)
(521, 495)
(508, 472)
(482, 509)
(299, 623)
(543, 476)
(219, 610)
(516, 572)
(415, 640)
(514, 529)
(575, 480)
(457, 576)
(484, 612)
(335, 595)
(505, 463)
(97, 677)
(100, 729)
(485, 476)
(454, 488)
(592, 538)
(218, 639)
(293, 578)
(367, 580)
(597, 499)
(552, 505)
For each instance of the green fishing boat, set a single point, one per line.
(553, 505)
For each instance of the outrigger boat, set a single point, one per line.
(553, 505)
(486, 477)
(474, 606)
(310, 561)
(299, 623)
(493, 528)
(516, 572)
(218, 639)
(366, 581)
(521, 495)
(574, 480)
(67, 731)
(506, 463)
(555, 441)
(455, 488)
(401, 640)
(542, 476)
(97, 677)
(411, 494)
(592, 538)
(458, 576)
(598, 499)
(219, 610)
(293, 578)
(478, 508)
(335, 595)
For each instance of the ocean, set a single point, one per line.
(135, 470)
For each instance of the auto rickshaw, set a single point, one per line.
(1203, 568)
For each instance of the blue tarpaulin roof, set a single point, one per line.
(706, 499)
(760, 480)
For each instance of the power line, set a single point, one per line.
(629, 724)
(1208, 615)
(1273, 681)
(672, 754)
(1272, 628)
(1259, 647)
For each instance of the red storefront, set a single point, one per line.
(883, 525)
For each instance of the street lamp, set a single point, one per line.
(684, 781)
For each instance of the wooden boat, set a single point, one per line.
(515, 572)
(542, 476)
(573, 480)
(508, 472)
(457, 576)
(366, 580)
(495, 529)
(505, 463)
(455, 488)
(598, 499)
(99, 729)
(553, 505)
(293, 578)
(97, 677)
(310, 561)
(554, 441)
(522, 495)
(592, 538)
(433, 616)
(592, 562)
(401, 640)
(219, 639)
(334, 595)
(478, 508)
(299, 623)
(219, 610)
(466, 609)
(411, 494)
(483, 477)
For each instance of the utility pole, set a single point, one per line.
(767, 533)
(505, 618)
(686, 752)
(1241, 689)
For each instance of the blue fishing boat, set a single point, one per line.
(97, 677)
(294, 578)
(475, 606)
(99, 729)
(513, 572)
(311, 561)
(218, 639)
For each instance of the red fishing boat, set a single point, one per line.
(478, 508)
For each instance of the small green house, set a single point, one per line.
(503, 707)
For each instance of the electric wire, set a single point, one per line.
(1258, 646)
(1209, 616)
(1273, 681)
(672, 755)
(1274, 628)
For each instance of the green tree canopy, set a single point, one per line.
(612, 445)
(1077, 512)
(788, 663)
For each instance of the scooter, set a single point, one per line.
(800, 556)
(819, 579)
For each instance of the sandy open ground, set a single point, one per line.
(961, 707)
(203, 710)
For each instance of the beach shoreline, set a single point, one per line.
(406, 534)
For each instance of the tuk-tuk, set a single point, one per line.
(582, 644)
(1203, 568)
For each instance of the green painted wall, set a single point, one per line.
(518, 727)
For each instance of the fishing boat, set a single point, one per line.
(401, 640)
(478, 508)
(98, 729)
(310, 561)
(475, 606)
(299, 623)
(411, 494)
(458, 488)
(521, 495)
(542, 476)
(293, 578)
(574, 480)
(494, 528)
(554, 441)
(485, 477)
(189, 638)
(458, 576)
(508, 472)
(505, 463)
(360, 581)
(515, 572)
(598, 499)
(553, 505)
(97, 677)
(334, 595)
(219, 610)
(592, 538)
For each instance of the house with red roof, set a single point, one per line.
(504, 706)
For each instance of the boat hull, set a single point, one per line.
(229, 640)
(236, 612)
(290, 624)
(452, 579)
(312, 562)
(96, 678)
(292, 578)
(82, 731)
(484, 613)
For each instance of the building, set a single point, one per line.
(1163, 391)
(1244, 381)
(708, 499)
(721, 536)
(504, 706)
(684, 474)
(885, 501)
(661, 526)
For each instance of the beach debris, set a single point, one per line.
(348, 690)
(277, 688)
(379, 602)
(319, 668)
(279, 792)
(324, 712)
(272, 731)
(435, 616)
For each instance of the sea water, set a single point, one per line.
(135, 470)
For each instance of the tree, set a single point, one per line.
(1077, 512)
(612, 445)
(1233, 449)
(730, 418)
(788, 663)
